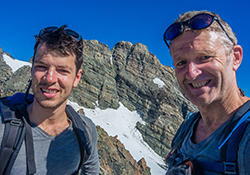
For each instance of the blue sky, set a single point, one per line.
(111, 21)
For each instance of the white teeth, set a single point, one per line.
(49, 91)
(199, 84)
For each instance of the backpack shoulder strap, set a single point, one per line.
(184, 128)
(181, 134)
(29, 145)
(233, 146)
(229, 166)
(17, 129)
(12, 138)
(81, 133)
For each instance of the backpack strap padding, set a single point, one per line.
(180, 136)
(30, 158)
(13, 132)
(232, 148)
(29, 145)
(234, 142)
(80, 131)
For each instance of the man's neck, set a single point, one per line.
(220, 111)
(52, 121)
(215, 114)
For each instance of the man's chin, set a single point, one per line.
(48, 104)
(201, 101)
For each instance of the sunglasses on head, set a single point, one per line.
(197, 22)
(67, 31)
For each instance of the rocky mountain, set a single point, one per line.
(127, 74)
(115, 159)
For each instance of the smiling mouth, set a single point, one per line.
(200, 84)
(49, 91)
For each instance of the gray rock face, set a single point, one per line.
(126, 74)
(115, 159)
(5, 72)
(10, 82)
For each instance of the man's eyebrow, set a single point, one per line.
(199, 52)
(40, 62)
(176, 59)
(65, 67)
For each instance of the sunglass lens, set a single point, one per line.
(68, 32)
(201, 21)
(47, 30)
(73, 33)
(172, 31)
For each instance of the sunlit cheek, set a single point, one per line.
(37, 75)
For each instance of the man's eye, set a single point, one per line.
(206, 57)
(64, 71)
(180, 63)
(40, 67)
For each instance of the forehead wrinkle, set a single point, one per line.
(194, 42)
(182, 51)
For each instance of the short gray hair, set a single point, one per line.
(214, 27)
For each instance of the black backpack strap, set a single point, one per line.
(180, 136)
(12, 137)
(17, 129)
(30, 158)
(81, 133)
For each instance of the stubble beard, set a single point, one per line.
(49, 104)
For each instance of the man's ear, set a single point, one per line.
(78, 77)
(237, 56)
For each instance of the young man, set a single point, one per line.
(56, 70)
(206, 56)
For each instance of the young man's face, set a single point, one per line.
(53, 77)
(205, 72)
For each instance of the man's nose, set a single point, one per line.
(50, 75)
(192, 71)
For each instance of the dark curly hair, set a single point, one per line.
(64, 44)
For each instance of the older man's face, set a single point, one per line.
(203, 68)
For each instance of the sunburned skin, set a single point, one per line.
(206, 73)
(201, 66)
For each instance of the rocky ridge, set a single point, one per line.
(115, 159)
(125, 74)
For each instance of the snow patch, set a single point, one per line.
(111, 60)
(13, 63)
(159, 82)
(122, 122)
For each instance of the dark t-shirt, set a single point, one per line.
(207, 150)
(60, 154)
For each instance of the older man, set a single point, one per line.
(206, 56)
